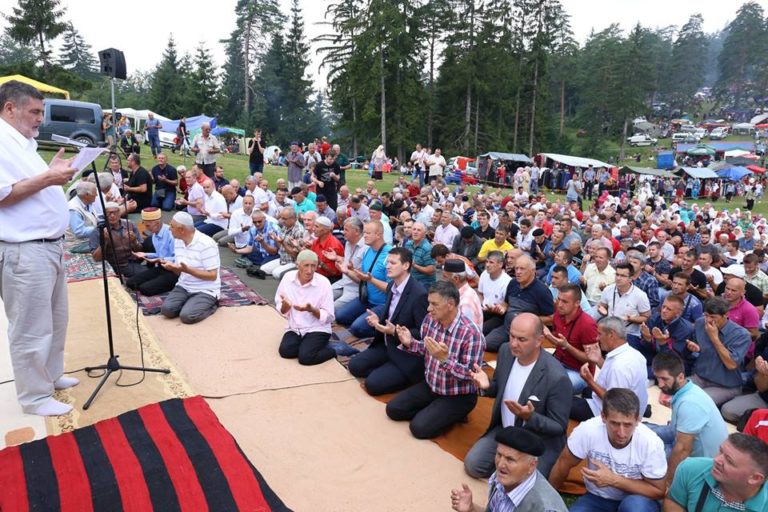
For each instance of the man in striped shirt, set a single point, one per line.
(196, 295)
(451, 344)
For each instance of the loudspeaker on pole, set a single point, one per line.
(112, 63)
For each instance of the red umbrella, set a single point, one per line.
(756, 169)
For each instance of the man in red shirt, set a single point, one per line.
(573, 328)
(414, 189)
(324, 244)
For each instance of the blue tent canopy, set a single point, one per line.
(193, 124)
(734, 173)
(223, 130)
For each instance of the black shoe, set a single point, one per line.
(256, 272)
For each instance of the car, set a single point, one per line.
(700, 133)
(642, 140)
(718, 133)
(684, 137)
(77, 120)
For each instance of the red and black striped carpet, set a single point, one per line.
(174, 455)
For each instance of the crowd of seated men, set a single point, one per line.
(584, 308)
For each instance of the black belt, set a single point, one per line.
(44, 240)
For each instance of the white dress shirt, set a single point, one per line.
(41, 215)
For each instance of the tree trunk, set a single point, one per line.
(562, 107)
(517, 101)
(43, 54)
(623, 141)
(533, 105)
(246, 67)
(354, 127)
(477, 122)
(383, 99)
(431, 105)
(468, 104)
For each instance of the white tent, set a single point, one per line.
(575, 161)
(758, 119)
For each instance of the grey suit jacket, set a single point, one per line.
(549, 383)
(541, 498)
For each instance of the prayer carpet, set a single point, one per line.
(173, 455)
(233, 293)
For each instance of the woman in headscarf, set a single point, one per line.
(377, 160)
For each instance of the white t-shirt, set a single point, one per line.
(515, 383)
(215, 206)
(715, 273)
(446, 235)
(236, 222)
(202, 253)
(642, 458)
(624, 367)
(632, 303)
(493, 291)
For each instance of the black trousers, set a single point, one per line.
(381, 375)
(491, 321)
(152, 281)
(430, 414)
(580, 410)
(312, 348)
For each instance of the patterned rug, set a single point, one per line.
(233, 293)
(82, 267)
(342, 341)
(173, 455)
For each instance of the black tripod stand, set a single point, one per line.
(113, 364)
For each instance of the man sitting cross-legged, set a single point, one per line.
(452, 345)
(196, 295)
(155, 280)
(532, 391)
(384, 365)
(305, 298)
(626, 464)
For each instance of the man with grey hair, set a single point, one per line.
(33, 218)
(82, 220)
(346, 289)
(290, 241)
(623, 367)
(206, 147)
(196, 294)
(239, 224)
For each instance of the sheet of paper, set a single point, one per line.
(84, 158)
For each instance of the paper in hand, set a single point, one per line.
(84, 158)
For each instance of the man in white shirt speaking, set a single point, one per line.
(33, 218)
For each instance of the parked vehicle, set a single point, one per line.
(74, 119)
(684, 137)
(642, 140)
(718, 134)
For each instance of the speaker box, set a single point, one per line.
(112, 63)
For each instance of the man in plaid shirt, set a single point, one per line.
(451, 344)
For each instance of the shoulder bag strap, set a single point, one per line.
(702, 497)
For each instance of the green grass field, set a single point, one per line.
(236, 166)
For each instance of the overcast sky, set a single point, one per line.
(140, 28)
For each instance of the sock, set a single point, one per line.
(66, 382)
(52, 407)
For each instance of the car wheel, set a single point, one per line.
(84, 139)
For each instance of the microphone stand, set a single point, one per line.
(112, 364)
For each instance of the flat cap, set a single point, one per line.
(522, 440)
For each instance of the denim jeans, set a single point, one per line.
(666, 433)
(353, 315)
(167, 203)
(577, 383)
(632, 503)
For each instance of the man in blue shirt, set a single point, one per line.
(722, 346)
(372, 276)
(564, 257)
(160, 247)
(667, 331)
(735, 479)
(697, 428)
(153, 126)
(261, 247)
(423, 268)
